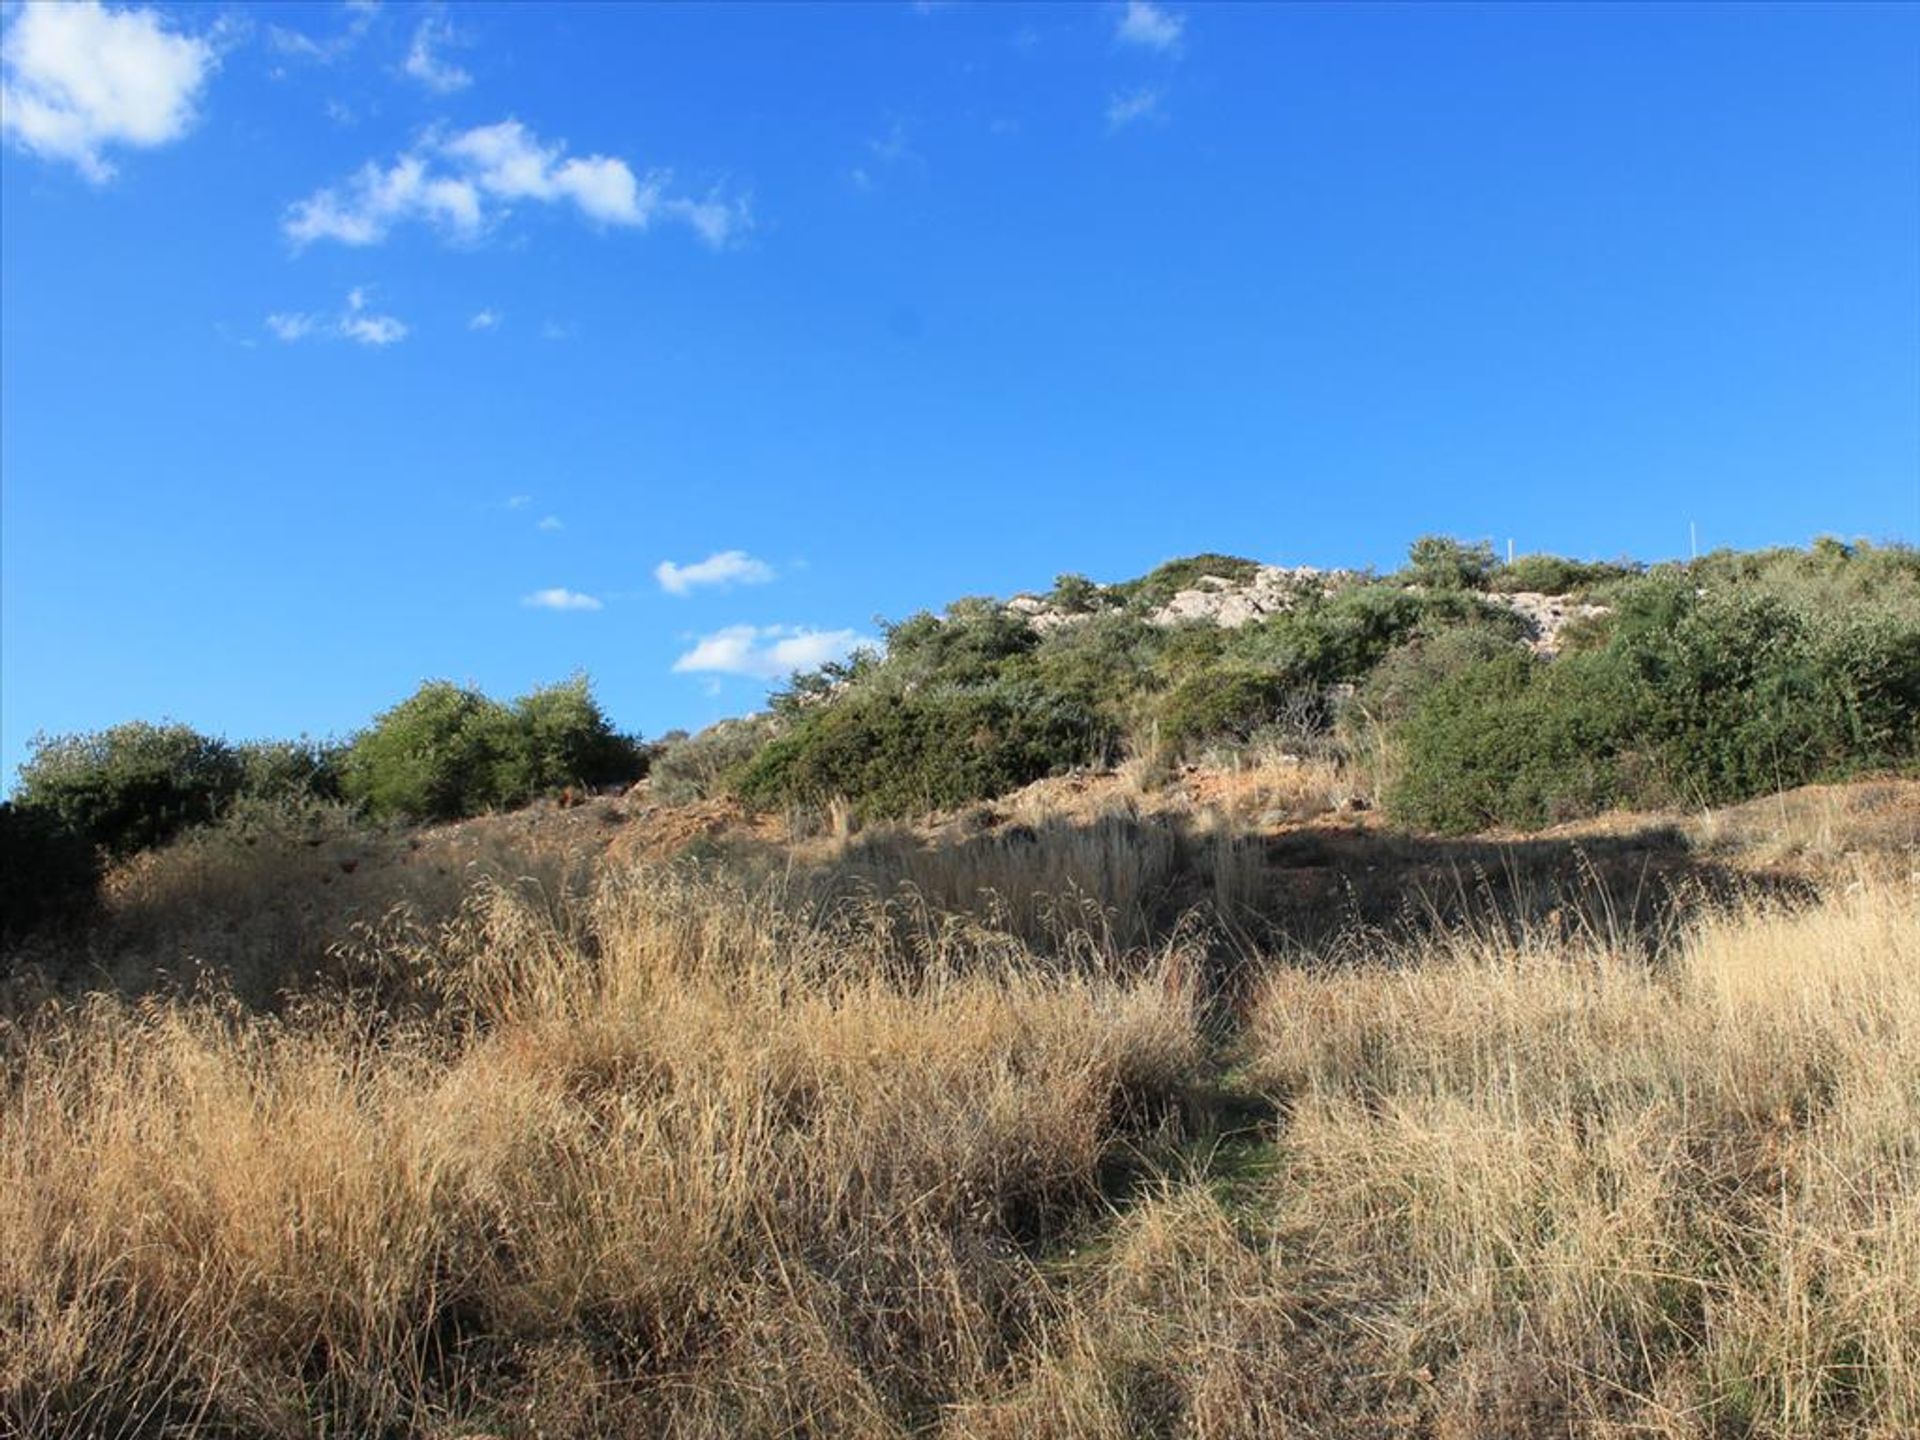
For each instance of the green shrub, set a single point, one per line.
(1442, 563)
(562, 739)
(1554, 575)
(448, 752)
(1225, 703)
(967, 645)
(1101, 662)
(1512, 740)
(1692, 698)
(49, 873)
(1076, 595)
(1746, 692)
(1396, 685)
(297, 770)
(132, 786)
(898, 754)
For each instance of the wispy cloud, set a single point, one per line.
(427, 65)
(1131, 106)
(485, 320)
(357, 322)
(462, 183)
(1149, 26)
(886, 152)
(560, 598)
(302, 46)
(766, 652)
(290, 327)
(550, 523)
(77, 80)
(728, 567)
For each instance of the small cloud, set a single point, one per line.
(356, 323)
(289, 328)
(559, 598)
(894, 146)
(439, 75)
(485, 320)
(728, 567)
(886, 152)
(1145, 24)
(79, 79)
(518, 502)
(550, 523)
(373, 329)
(766, 652)
(301, 46)
(463, 183)
(1134, 105)
(554, 330)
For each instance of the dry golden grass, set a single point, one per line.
(946, 1139)
(691, 1162)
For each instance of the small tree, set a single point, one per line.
(1443, 563)
(437, 755)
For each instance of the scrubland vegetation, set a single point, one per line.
(1185, 1103)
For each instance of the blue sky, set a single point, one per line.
(343, 346)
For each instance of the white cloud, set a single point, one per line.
(728, 567)
(363, 210)
(291, 327)
(77, 79)
(1142, 104)
(550, 523)
(559, 598)
(766, 652)
(357, 323)
(1146, 24)
(373, 329)
(441, 76)
(518, 502)
(485, 320)
(463, 182)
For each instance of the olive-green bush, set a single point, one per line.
(1554, 574)
(447, 752)
(131, 786)
(891, 753)
(1696, 696)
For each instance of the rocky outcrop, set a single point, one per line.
(1275, 589)
(1546, 616)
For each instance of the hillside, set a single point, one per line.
(975, 1044)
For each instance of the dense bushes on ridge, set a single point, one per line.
(443, 753)
(1708, 681)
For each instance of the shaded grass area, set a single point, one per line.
(1143, 1125)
